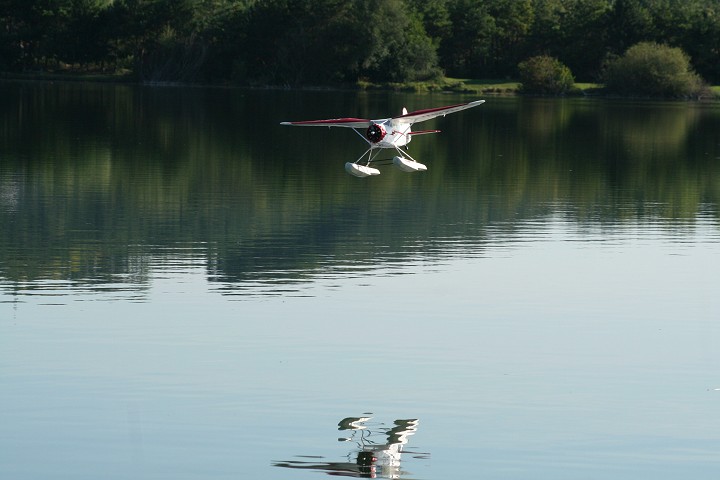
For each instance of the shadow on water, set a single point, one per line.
(376, 450)
(105, 187)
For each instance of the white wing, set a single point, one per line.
(427, 114)
(405, 118)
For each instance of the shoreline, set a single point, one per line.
(446, 85)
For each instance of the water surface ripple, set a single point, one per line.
(189, 290)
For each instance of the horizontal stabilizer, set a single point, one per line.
(423, 132)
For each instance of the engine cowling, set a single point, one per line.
(375, 132)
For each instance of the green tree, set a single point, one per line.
(629, 22)
(297, 42)
(469, 43)
(695, 28)
(328, 41)
(152, 35)
(583, 37)
(652, 69)
(572, 30)
(547, 26)
(80, 37)
(435, 18)
(396, 45)
(294, 42)
(222, 26)
(31, 30)
(545, 75)
(513, 22)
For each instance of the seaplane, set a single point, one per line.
(387, 133)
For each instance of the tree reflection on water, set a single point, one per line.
(102, 186)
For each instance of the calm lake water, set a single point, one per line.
(189, 290)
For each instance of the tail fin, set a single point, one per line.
(404, 111)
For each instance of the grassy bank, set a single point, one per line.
(473, 86)
(122, 77)
(446, 84)
(499, 87)
(458, 85)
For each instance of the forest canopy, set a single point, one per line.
(324, 42)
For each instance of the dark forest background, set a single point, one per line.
(323, 42)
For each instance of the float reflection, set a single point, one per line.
(376, 452)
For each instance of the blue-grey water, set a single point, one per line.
(189, 290)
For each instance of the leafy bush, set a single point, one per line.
(651, 69)
(545, 75)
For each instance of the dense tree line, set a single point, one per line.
(293, 42)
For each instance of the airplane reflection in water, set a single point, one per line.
(373, 456)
